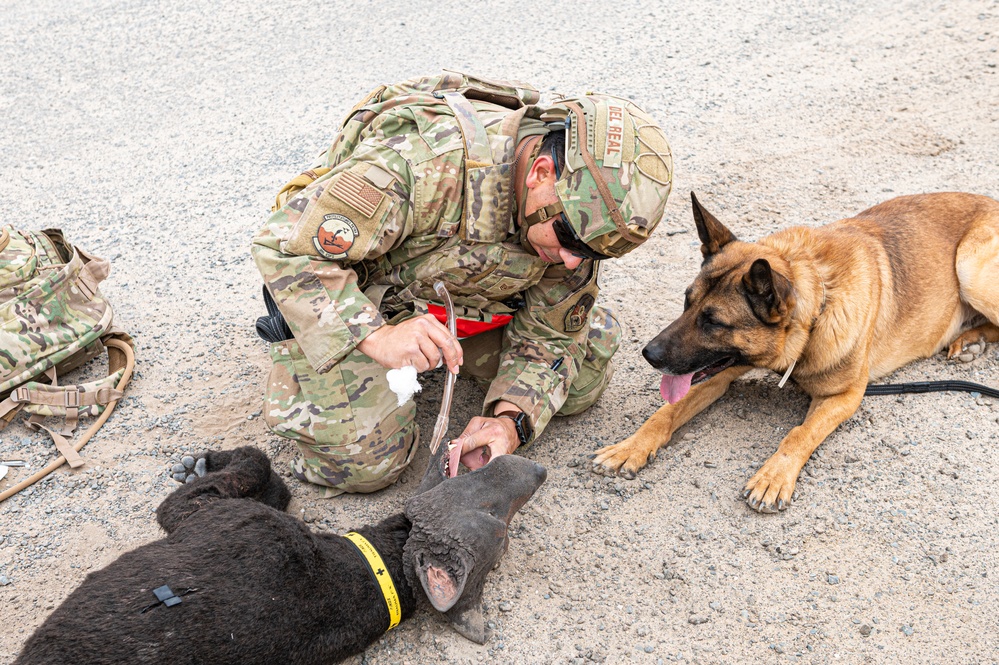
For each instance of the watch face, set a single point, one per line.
(523, 428)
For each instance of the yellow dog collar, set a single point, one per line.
(380, 572)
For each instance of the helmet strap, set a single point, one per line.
(544, 213)
(527, 170)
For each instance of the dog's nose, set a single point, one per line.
(651, 355)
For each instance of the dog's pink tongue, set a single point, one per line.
(453, 459)
(673, 387)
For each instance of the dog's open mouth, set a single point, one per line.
(674, 386)
(449, 462)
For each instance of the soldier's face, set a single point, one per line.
(544, 241)
(540, 183)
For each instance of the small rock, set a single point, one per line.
(505, 606)
(907, 630)
(697, 620)
(832, 579)
(865, 630)
(4, 581)
(966, 357)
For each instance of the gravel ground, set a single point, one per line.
(156, 133)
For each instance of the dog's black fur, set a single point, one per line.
(266, 589)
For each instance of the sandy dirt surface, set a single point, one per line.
(156, 134)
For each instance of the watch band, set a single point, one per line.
(521, 422)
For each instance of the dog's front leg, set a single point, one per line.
(630, 455)
(770, 489)
(241, 473)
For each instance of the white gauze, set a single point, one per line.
(403, 383)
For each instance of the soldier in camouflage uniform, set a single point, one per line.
(513, 205)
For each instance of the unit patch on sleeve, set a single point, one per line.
(575, 318)
(335, 236)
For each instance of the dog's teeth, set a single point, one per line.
(452, 446)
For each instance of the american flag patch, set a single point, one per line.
(352, 190)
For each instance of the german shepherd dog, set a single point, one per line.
(833, 307)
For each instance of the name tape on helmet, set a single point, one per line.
(615, 136)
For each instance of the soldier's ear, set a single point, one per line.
(542, 172)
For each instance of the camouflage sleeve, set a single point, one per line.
(547, 344)
(306, 251)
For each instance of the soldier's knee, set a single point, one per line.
(367, 465)
(587, 389)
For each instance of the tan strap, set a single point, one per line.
(64, 447)
(544, 213)
(120, 356)
(94, 271)
(473, 132)
(68, 396)
(591, 164)
(4, 239)
(8, 411)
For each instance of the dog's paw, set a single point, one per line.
(771, 488)
(971, 343)
(189, 468)
(624, 458)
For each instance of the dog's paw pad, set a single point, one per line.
(188, 468)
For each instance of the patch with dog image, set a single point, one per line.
(575, 318)
(335, 236)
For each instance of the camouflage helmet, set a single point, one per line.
(616, 176)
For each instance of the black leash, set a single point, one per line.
(930, 387)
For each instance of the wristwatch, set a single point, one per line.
(522, 423)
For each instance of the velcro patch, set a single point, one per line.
(361, 196)
(378, 177)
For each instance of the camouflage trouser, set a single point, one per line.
(353, 435)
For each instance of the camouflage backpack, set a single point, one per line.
(54, 319)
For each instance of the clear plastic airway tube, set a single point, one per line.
(440, 429)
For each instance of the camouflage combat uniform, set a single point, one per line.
(409, 194)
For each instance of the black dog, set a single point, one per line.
(257, 586)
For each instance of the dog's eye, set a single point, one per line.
(708, 321)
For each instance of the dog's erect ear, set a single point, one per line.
(442, 583)
(712, 233)
(769, 293)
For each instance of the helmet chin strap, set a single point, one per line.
(532, 219)
(527, 171)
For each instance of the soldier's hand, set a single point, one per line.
(422, 342)
(486, 438)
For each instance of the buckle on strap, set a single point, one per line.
(21, 395)
(72, 398)
(108, 395)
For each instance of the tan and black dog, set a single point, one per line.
(833, 307)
